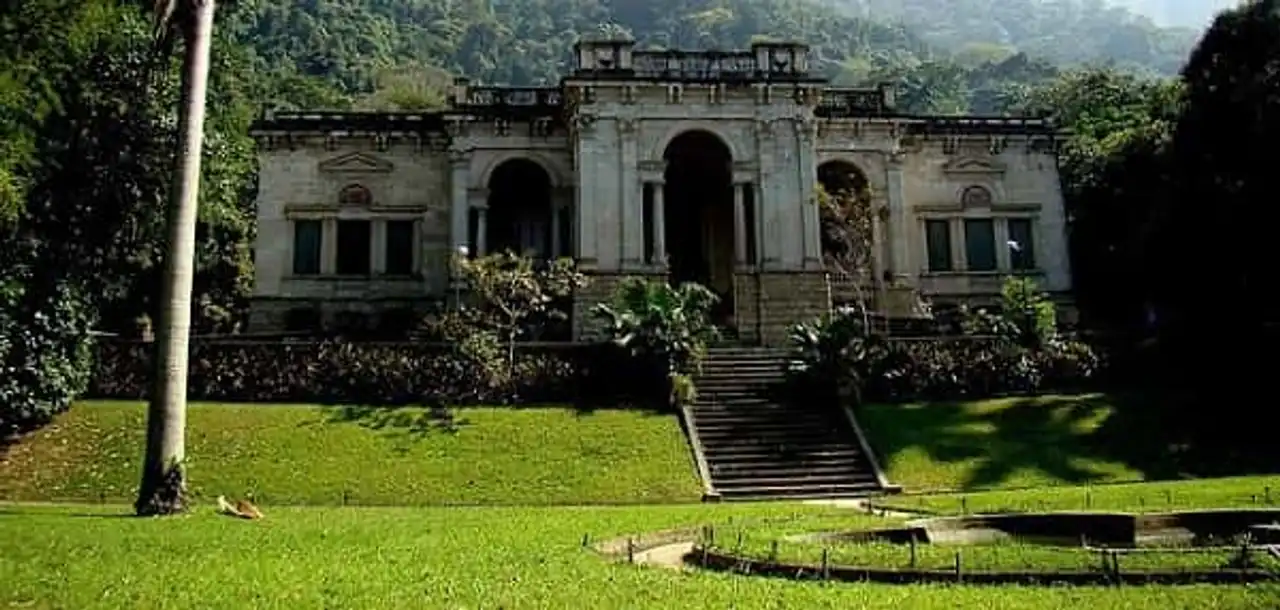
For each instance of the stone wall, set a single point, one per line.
(770, 303)
(272, 315)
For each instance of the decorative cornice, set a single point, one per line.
(356, 163)
(972, 166)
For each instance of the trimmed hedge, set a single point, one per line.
(369, 373)
(943, 369)
(900, 370)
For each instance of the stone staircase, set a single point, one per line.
(750, 446)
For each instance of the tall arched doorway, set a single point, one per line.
(848, 240)
(699, 215)
(519, 216)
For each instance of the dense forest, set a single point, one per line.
(953, 55)
(1162, 166)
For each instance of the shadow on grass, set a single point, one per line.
(1054, 435)
(416, 422)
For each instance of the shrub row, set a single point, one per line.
(944, 369)
(896, 370)
(367, 373)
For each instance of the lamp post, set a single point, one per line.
(462, 253)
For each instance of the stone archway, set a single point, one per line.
(519, 216)
(699, 215)
(848, 229)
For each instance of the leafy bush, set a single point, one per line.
(663, 327)
(349, 373)
(1015, 351)
(46, 353)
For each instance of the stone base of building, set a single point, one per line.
(272, 315)
(766, 304)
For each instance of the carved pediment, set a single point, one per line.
(969, 166)
(356, 163)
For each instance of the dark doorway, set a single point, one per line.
(519, 215)
(698, 211)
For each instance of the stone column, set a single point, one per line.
(555, 230)
(459, 163)
(659, 224)
(898, 245)
(810, 223)
(377, 247)
(329, 246)
(629, 188)
(758, 228)
(739, 224)
(482, 213)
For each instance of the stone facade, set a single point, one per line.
(694, 166)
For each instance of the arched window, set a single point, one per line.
(975, 197)
(355, 195)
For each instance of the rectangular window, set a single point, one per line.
(1022, 251)
(937, 235)
(307, 238)
(354, 242)
(399, 247)
(980, 244)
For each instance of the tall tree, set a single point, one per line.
(163, 489)
(1213, 239)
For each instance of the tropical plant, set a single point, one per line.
(667, 328)
(830, 352)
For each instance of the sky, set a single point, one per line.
(1189, 13)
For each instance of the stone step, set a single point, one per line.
(774, 469)
(716, 449)
(779, 434)
(730, 483)
(796, 492)
(729, 373)
(748, 421)
(807, 454)
(757, 430)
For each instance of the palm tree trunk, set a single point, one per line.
(163, 488)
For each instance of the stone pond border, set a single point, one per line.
(725, 562)
(632, 549)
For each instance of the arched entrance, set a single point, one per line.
(847, 230)
(698, 208)
(519, 215)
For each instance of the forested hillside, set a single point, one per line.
(951, 55)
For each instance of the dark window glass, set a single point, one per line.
(980, 245)
(1022, 251)
(353, 247)
(399, 247)
(307, 239)
(938, 240)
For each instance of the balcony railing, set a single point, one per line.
(841, 102)
(696, 65)
(515, 97)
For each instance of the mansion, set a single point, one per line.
(694, 166)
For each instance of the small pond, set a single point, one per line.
(1075, 529)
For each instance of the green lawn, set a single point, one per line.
(1231, 492)
(441, 557)
(1012, 443)
(318, 455)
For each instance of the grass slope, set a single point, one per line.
(317, 455)
(1010, 443)
(1229, 492)
(69, 557)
